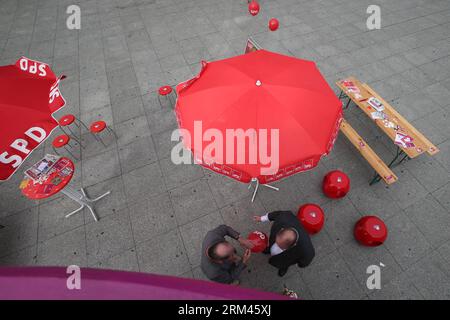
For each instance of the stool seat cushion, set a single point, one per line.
(97, 126)
(61, 141)
(165, 90)
(66, 120)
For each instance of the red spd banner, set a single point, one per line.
(29, 95)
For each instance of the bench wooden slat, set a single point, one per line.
(366, 151)
(429, 147)
(367, 92)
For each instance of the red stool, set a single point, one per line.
(99, 126)
(62, 141)
(311, 217)
(67, 120)
(370, 231)
(166, 91)
(336, 184)
(260, 240)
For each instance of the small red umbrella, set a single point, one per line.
(29, 95)
(259, 90)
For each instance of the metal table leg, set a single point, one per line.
(257, 187)
(83, 200)
(392, 164)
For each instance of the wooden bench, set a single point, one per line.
(366, 151)
(409, 141)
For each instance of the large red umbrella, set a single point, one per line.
(29, 95)
(257, 91)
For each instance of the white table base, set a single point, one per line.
(254, 180)
(83, 200)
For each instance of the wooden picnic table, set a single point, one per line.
(409, 141)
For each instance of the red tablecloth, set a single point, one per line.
(59, 176)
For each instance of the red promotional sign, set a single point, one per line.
(29, 95)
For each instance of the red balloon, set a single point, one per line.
(336, 184)
(311, 217)
(260, 240)
(253, 8)
(370, 231)
(273, 24)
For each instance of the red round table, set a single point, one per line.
(57, 180)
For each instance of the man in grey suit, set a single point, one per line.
(220, 262)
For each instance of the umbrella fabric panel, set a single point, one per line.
(29, 95)
(261, 91)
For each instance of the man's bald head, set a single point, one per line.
(286, 238)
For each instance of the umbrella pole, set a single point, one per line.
(257, 187)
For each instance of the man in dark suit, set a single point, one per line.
(289, 243)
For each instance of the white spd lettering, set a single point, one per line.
(36, 133)
(54, 94)
(33, 67)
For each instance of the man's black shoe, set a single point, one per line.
(282, 272)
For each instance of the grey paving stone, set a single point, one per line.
(101, 167)
(408, 191)
(405, 241)
(438, 119)
(74, 244)
(374, 200)
(108, 237)
(415, 105)
(25, 257)
(359, 258)
(192, 201)
(177, 175)
(194, 232)
(127, 109)
(431, 277)
(52, 218)
(18, 231)
(400, 288)
(444, 154)
(429, 172)
(352, 164)
(432, 219)
(95, 93)
(137, 154)
(335, 279)
(112, 203)
(198, 274)
(443, 196)
(103, 113)
(225, 189)
(239, 215)
(310, 185)
(260, 274)
(164, 255)
(132, 129)
(340, 218)
(152, 217)
(124, 261)
(293, 282)
(162, 120)
(143, 182)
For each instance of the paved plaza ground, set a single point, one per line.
(158, 213)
